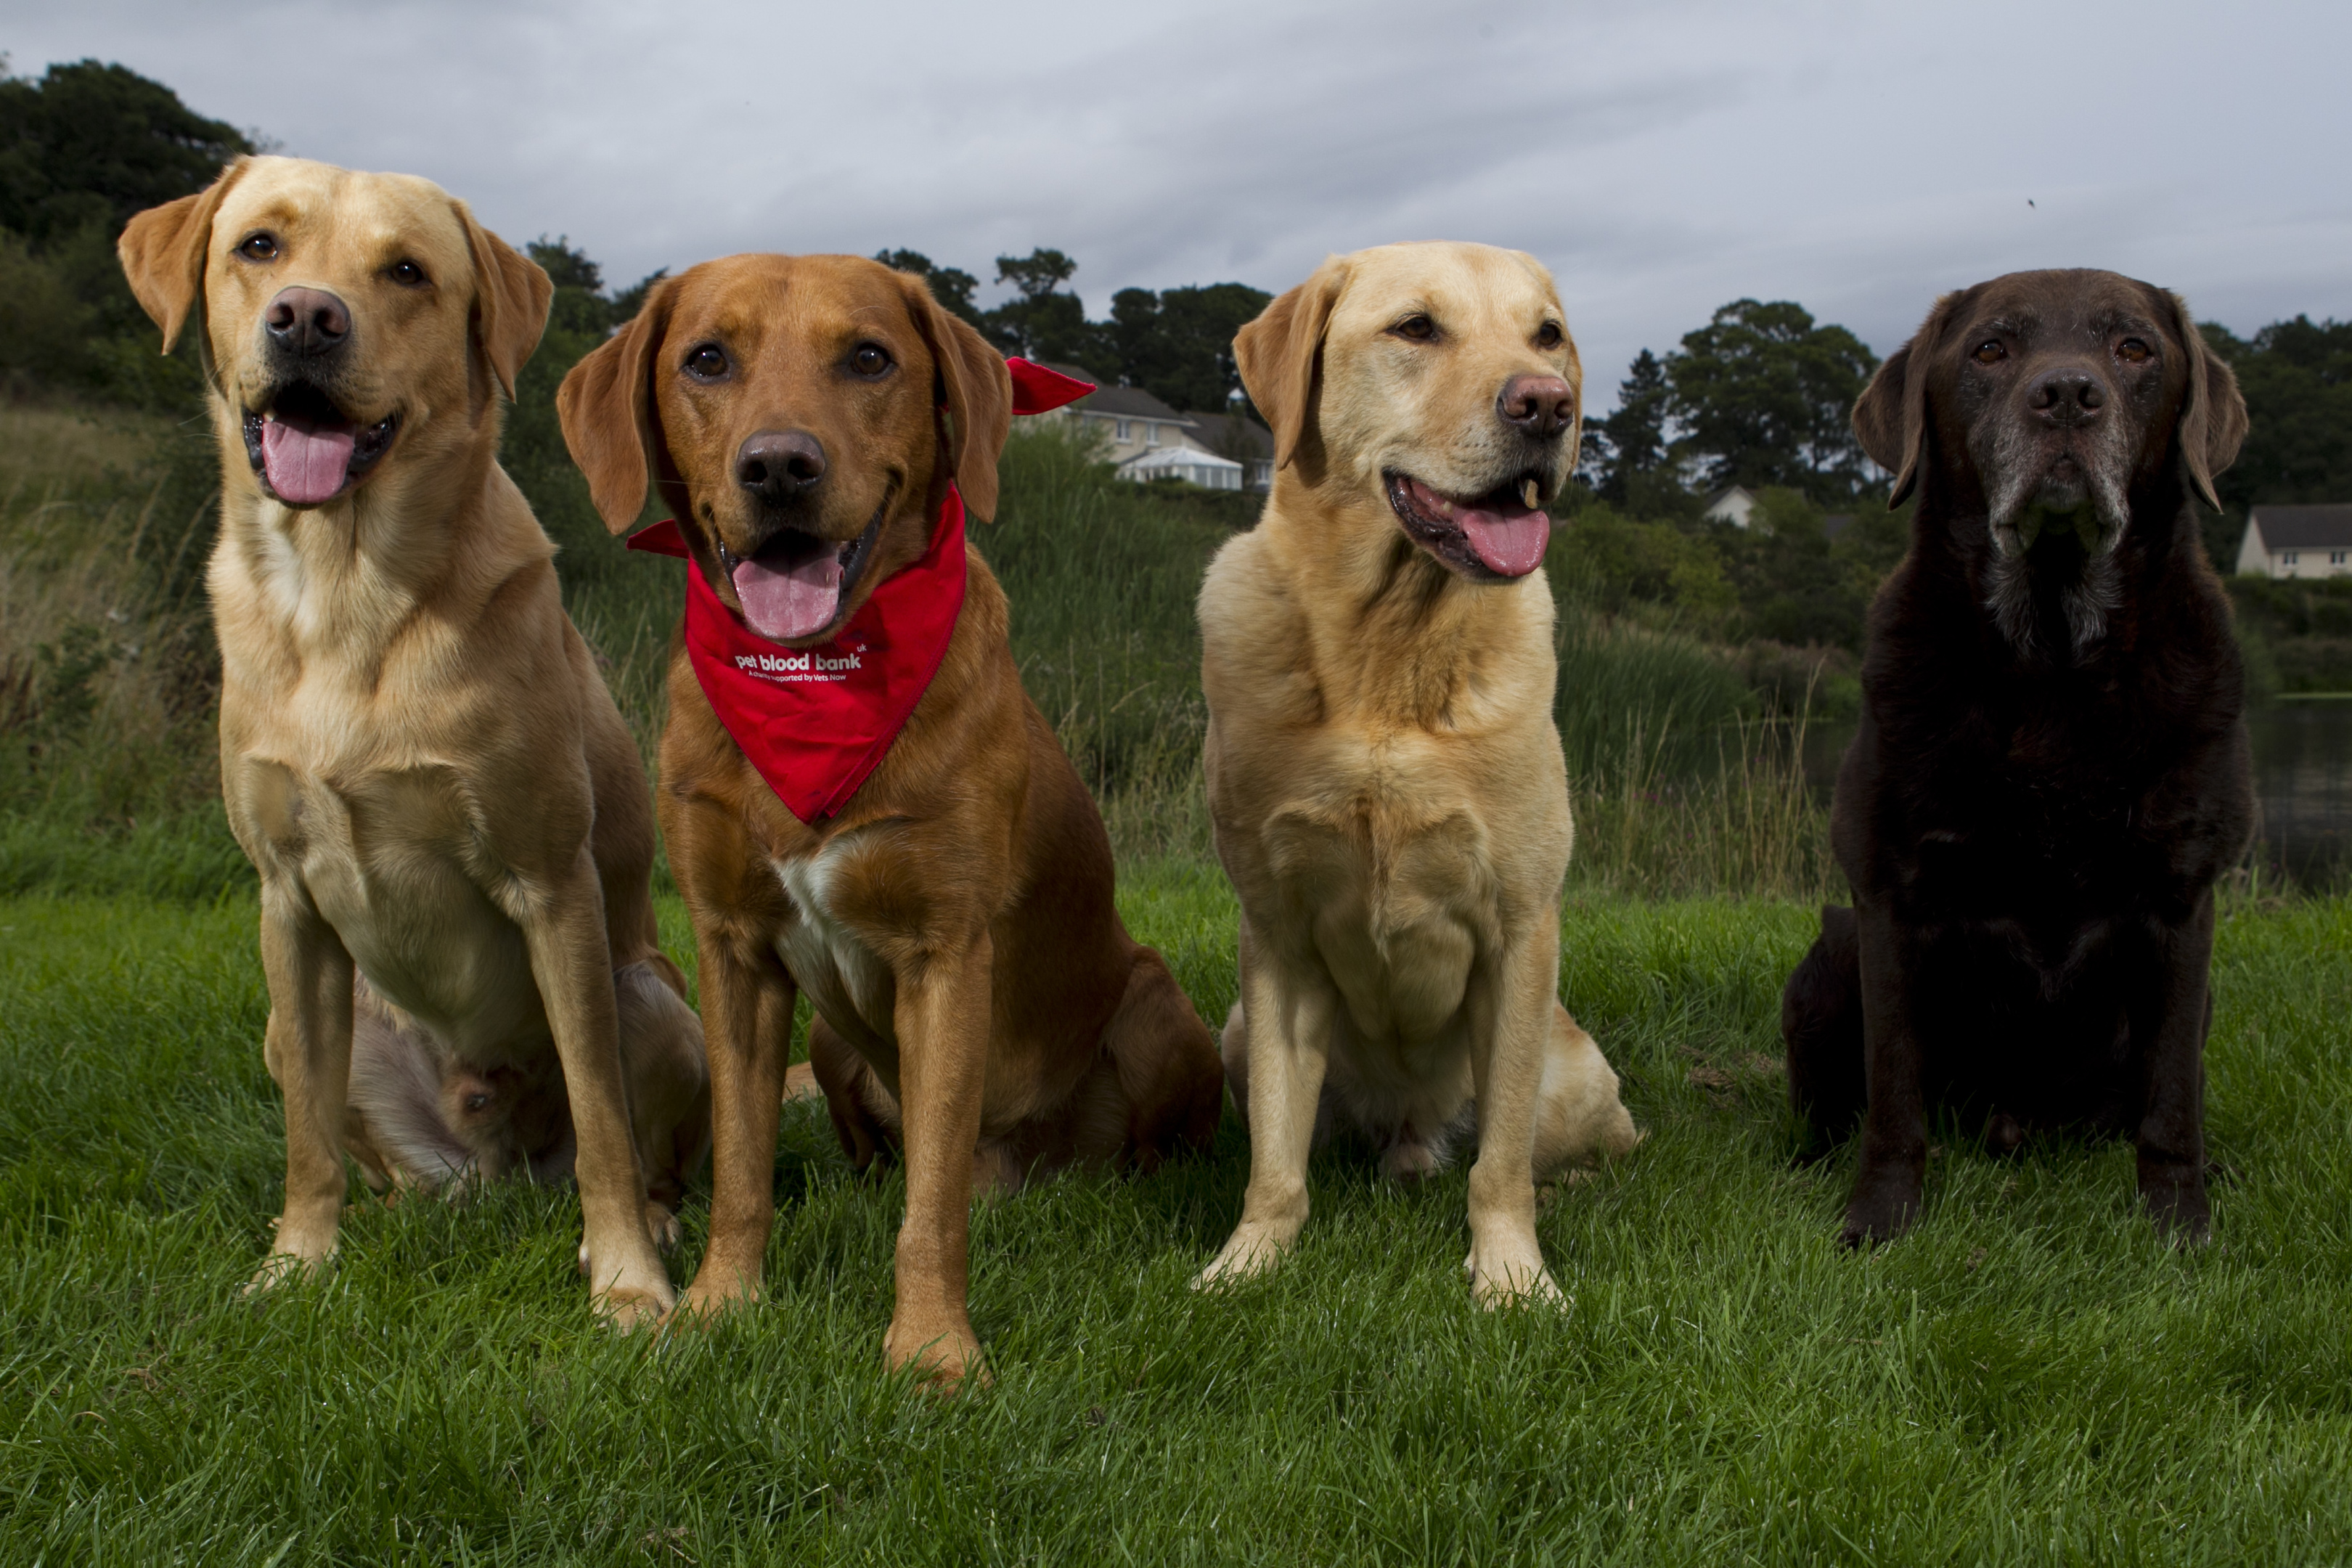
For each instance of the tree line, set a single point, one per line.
(1758, 397)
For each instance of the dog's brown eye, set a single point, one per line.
(1548, 335)
(869, 359)
(408, 273)
(258, 248)
(706, 363)
(2131, 350)
(1420, 329)
(1990, 351)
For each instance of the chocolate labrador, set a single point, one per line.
(2052, 769)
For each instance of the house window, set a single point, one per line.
(1151, 435)
(2287, 559)
(1122, 430)
(2336, 558)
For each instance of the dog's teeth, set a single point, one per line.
(1529, 491)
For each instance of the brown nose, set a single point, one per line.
(2069, 396)
(1539, 405)
(779, 466)
(308, 320)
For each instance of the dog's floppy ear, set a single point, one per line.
(1890, 417)
(511, 293)
(162, 253)
(1279, 353)
(2213, 411)
(976, 391)
(607, 406)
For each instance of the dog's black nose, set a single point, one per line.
(1539, 405)
(308, 320)
(779, 465)
(2068, 396)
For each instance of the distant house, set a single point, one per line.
(1837, 523)
(1239, 438)
(2298, 541)
(1732, 506)
(1133, 421)
(1186, 462)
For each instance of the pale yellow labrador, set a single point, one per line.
(1384, 776)
(451, 823)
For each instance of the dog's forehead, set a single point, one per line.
(785, 299)
(1447, 276)
(298, 199)
(2057, 305)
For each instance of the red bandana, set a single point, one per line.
(816, 721)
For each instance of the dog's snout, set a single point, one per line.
(2067, 395)
(308, 321)
(1539, 405)
(779, 465)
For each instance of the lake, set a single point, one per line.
(2303, 775)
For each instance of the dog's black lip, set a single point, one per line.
(1443, 539)
(854, 553)
(303, 400)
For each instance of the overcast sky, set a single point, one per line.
(1663, 158)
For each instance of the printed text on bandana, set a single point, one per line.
(811, 664)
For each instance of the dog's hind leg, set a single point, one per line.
(1821, 1024)
(865, 1118)
(1580, 1120)
(1168, 1069)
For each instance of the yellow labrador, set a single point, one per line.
(451, 823)
(1384, 777)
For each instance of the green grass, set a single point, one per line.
(2029, 1377)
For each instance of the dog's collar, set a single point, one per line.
(816, 721)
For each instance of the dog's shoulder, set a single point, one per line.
(1253, 623)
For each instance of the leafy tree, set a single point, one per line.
(1633, 439)
(1040, 321)
(1179, 345)
(950, 286)
(2297, 379)
(1792, 586)
(91, 144)
(1764, 397)
(1653, 571)
(82, 150)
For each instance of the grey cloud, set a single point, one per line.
(1662, 159)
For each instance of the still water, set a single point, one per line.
(2303, 775)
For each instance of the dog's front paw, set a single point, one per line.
(714, 1293)
(1249, 1252)
(285, 1267)
(1884, 1205)
(2175, 1199)
(944, 1357)
(627, 1295)
(303, 1246)
(1511, 1274)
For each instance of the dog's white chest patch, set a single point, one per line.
(845, 981)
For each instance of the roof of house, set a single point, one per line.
(1234, 432)
(1177, 458)
(1124, 401)
(2304, 527)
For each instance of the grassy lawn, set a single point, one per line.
(2029, 1377)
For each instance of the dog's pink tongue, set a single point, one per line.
(797, 603)
(305, 467)
(1509, 542)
